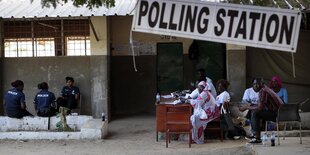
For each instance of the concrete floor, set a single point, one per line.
(136, 135)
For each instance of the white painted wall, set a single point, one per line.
(99, 47)
(120, 27)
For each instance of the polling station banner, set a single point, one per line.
(246, 25)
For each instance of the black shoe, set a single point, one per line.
(249, 137)
(255, 141)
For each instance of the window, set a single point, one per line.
(52, 37)
(18, 47)
(45, 47)
(78, 46)
(22, 47)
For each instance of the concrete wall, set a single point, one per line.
(236, 70)
(267, 63)
(1, 65)
(100, 27)
(1, 86)
(91, 73)
(1, 36)
(100, 66)
(99, 88)
(134, 92)
(87, 71)
(120, 36)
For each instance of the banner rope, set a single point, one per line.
(293, 65)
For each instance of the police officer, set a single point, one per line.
(44, 100)
(70, 95)
(15, 104)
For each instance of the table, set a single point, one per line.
(161, 114)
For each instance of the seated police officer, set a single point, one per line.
(15, 104)
(44, 100)
(70, 95)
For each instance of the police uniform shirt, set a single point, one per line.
(67, 91)
(44, 99)
(13, 99)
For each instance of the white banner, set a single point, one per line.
(245, 25)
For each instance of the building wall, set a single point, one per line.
(56, 28)
(236, 70)
(1, 66)
(99, 85)
(134, 92)
(99, 47)
(120, 37)
(267, 63)
(100, 101)
(53, 70)
(90, 72)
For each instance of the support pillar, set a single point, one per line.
(1, 66)
(99, 62)
(236, 70)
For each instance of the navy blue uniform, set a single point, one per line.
(43, 101)
(69, 100)
(68, 91)
(13, 100)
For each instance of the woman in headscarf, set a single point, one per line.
(205, 110)
(15, 104)
(276, 85)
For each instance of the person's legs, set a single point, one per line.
(52, 112)
(255, 122)
(72, 103)
(40, 114)
(257, 116)
(19, 113)
(61, 102)
(47, 112)
(26, 113)
(13, 114)
(248, 122)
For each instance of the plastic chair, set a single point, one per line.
(178, 121)
(288, 113)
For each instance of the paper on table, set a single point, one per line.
(187, 95)
(174, 102)
(167, 96)
(177, 101)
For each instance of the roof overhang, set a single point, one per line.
(28, 9)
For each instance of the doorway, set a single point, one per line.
(212, 58)
(169, 67)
